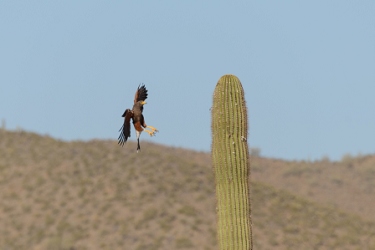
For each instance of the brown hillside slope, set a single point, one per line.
(97, 195)
(348, 185)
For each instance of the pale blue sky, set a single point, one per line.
(70, 68)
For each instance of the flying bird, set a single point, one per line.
(136, 116)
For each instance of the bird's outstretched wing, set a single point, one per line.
(141, 94)
(125, 129)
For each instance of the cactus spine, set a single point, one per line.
(231, 163)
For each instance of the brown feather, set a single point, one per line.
(125, 129)
(140, 94)
(138, 127)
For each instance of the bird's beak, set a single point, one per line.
(143, 102)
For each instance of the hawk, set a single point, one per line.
(136, 116)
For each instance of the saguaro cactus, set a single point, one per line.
(231, 163)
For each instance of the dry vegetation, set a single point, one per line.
(97, 195)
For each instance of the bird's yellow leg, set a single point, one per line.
(152, 132)
(152, 128)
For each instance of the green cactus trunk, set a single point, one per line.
(231, 163)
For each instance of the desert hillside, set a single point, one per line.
(96, 195)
